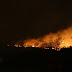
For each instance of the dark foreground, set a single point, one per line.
(34, 60)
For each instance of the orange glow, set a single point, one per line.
(60, 39)
(52, 48)
(7, 45)
(33, 46)
(17, 45)
(46, 48)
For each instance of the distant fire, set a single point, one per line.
(60, 39)
(17, 45)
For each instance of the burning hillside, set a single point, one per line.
(60, 39)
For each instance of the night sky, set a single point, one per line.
(32, 19)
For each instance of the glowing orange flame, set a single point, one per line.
(33, 46)
(17, 45)
(61, 39)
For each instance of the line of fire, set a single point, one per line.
(56, 41)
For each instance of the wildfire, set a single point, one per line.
(60, 39)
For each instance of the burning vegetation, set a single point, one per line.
(60, 39)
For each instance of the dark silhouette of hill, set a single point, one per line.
(35, 59)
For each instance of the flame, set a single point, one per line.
(17, 45)
(60, 39)
(33, 46)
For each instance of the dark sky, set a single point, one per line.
(32, 19)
